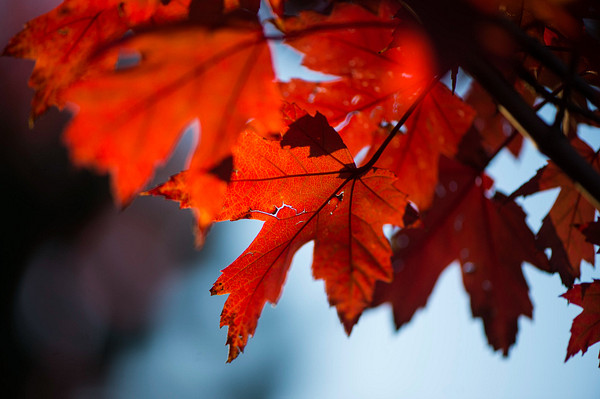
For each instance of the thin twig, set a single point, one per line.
(551, 97)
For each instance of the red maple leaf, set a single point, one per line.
(585, 330)
(489, 123)
(591, 231)
(62, 40)
(277, 6)
(559, 229)
(306, 187)
(250, 5)
(488, 237)
(435, 128)
(189, 187)
(127, 127)
(376, 84)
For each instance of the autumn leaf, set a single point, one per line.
(62, 40)
(337, 101)
(435, 128)
(277, 6)
(585, 330)
(306, 187)
(591, 231)
(559, 228)
(128, 121)
(250, 5)
(140, 12)
(491, 125)
(377, 33)
(137, 73)
(376, 84)
(189, 186)
(488, 237)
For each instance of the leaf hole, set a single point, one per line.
(128, 59)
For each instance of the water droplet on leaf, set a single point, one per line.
(458, 222)
(486, 285)
(453, 186)
(440, 191)
(469, 267)
(402, 241)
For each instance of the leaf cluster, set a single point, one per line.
(383, 142)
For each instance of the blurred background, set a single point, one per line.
(99, 302)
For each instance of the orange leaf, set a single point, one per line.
(250, 5)
(488, 237)
(62, 40)
(305, 188)
(129, 120)
(435, 129)
(585, 330)
(359, 114)
(377, 84)
(277, 6)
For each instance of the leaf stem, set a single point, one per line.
(544, 55)
(514, 134)
(551, 97)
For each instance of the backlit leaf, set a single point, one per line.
(305, 188)
(127, 126)
(586, 327)
(62, 40)
(490, 240)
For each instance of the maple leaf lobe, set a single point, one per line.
(127, 127)
(467, 226)
(585, 330)
(559, 230)
(64, 40)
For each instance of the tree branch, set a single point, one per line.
(550, 141)
(455, 29)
